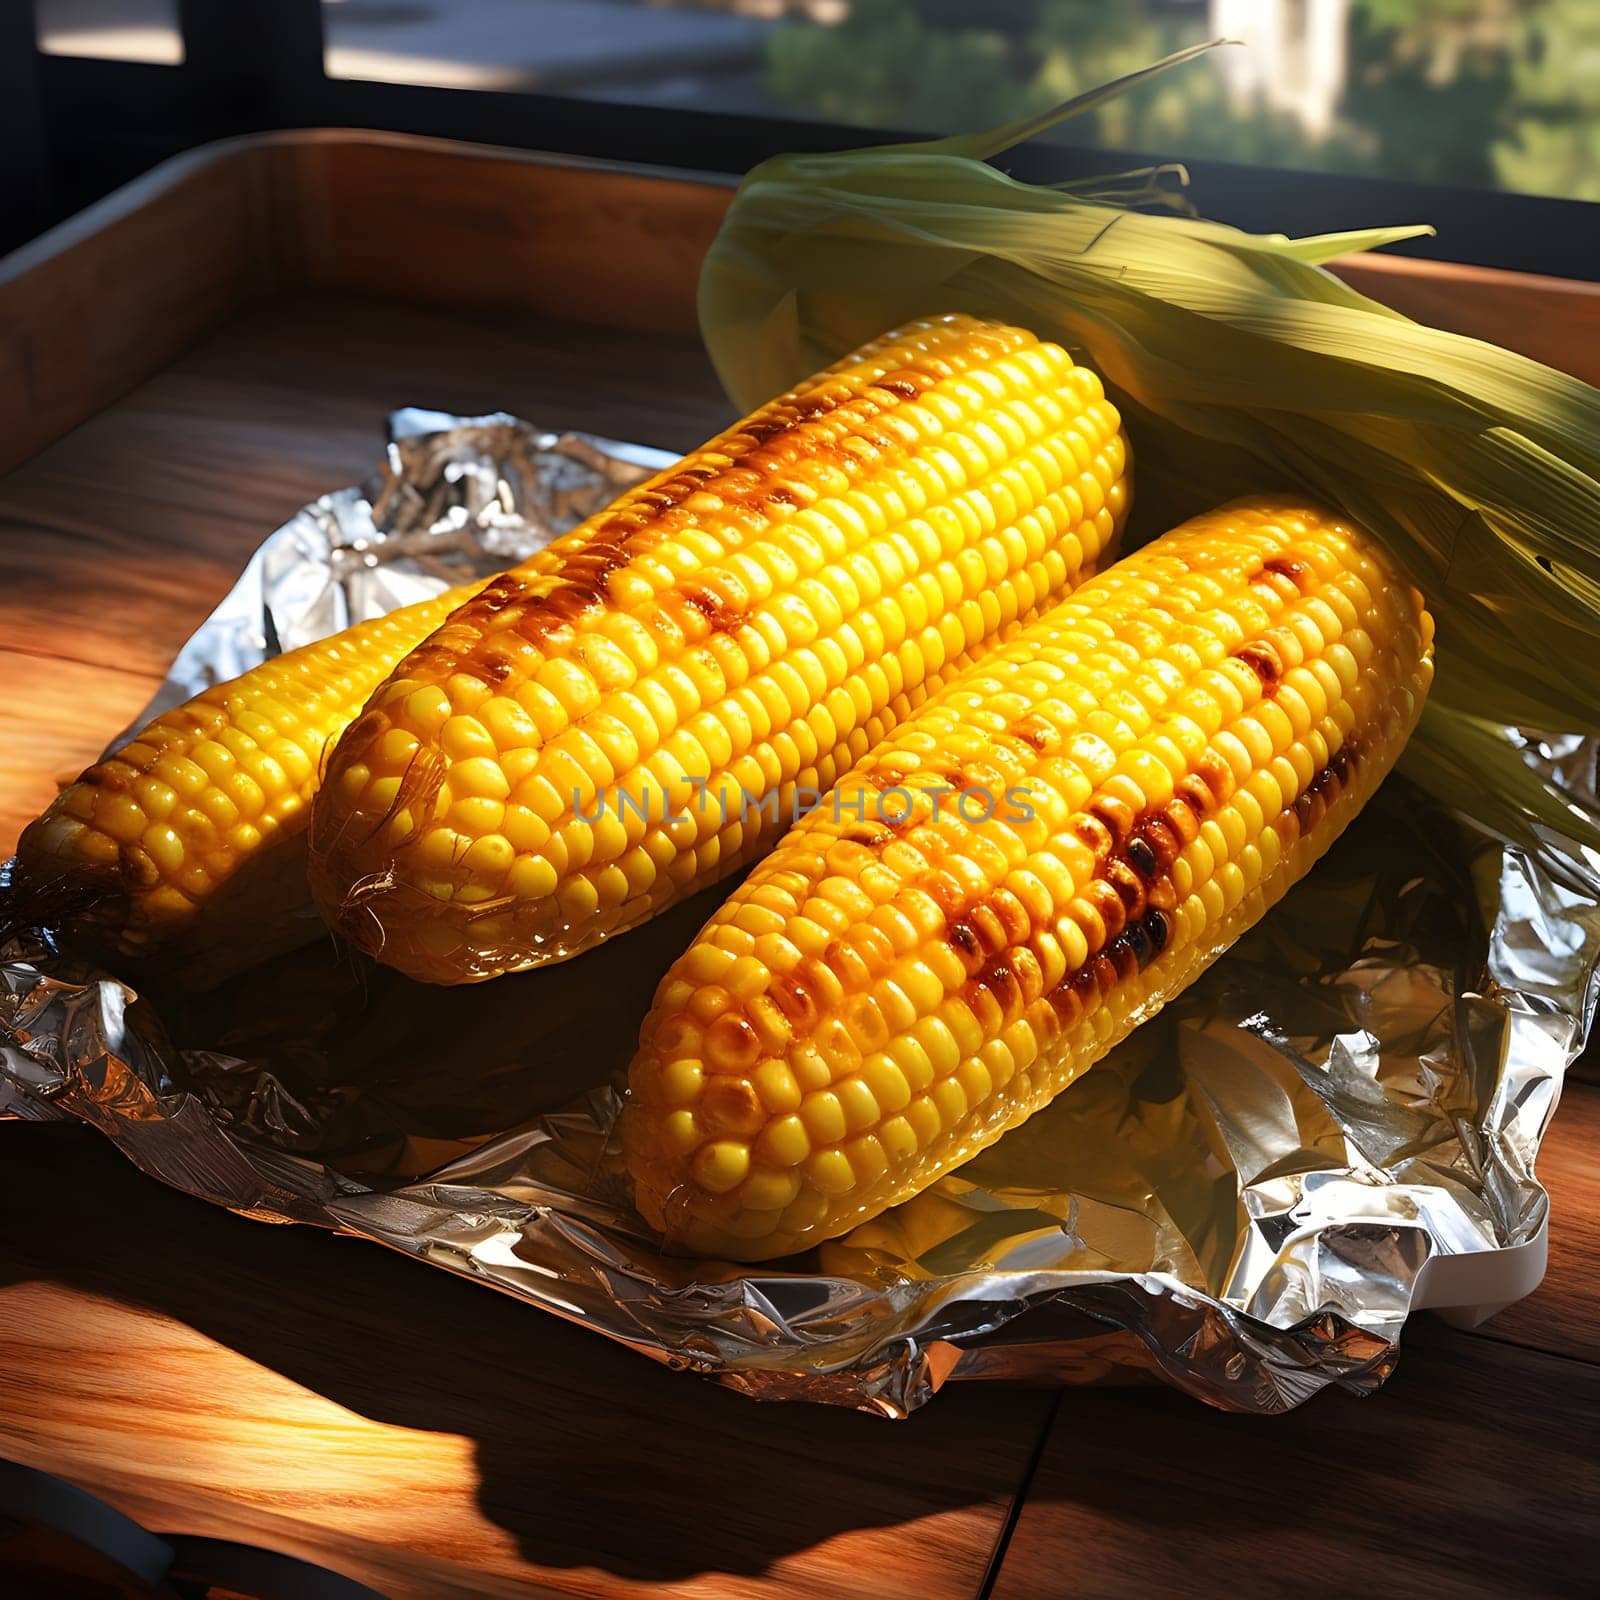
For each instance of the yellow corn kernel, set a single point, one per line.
(763, 612)
(225, 779)
(1143, 715)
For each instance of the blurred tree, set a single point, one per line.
(896, 64)
(1553, 144)
(1430, 87)
(1467, 92)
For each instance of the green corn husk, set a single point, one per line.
(1239, 365)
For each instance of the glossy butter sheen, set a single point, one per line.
(893, 988)
(642, 707)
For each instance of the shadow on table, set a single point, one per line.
(587, 1454)
(1472, 1473)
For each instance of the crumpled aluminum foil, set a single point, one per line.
(1335, 1126)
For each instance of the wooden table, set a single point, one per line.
(319, 1396)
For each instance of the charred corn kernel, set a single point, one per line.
(732, 633)
(1185, 822)
(224, 778)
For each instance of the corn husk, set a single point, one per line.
(1240, 364)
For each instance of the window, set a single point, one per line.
(1486, 94)
(110, 30)
(1479, 116)
(601, 48)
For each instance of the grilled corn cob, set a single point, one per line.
(896, 985)
(182, 842)
(627, 716)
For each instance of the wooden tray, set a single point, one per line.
(180, 368)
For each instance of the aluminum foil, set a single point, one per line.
(1335, 1126)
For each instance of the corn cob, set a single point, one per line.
(626, 717)
(896, 985)
(181, 842)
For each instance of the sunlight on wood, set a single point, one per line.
(187, 1435)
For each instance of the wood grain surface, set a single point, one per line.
(433, 222)
(108, 298)
(1471, 1473)
(1563, 1314)
(213, 1376)
(282, 1387)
